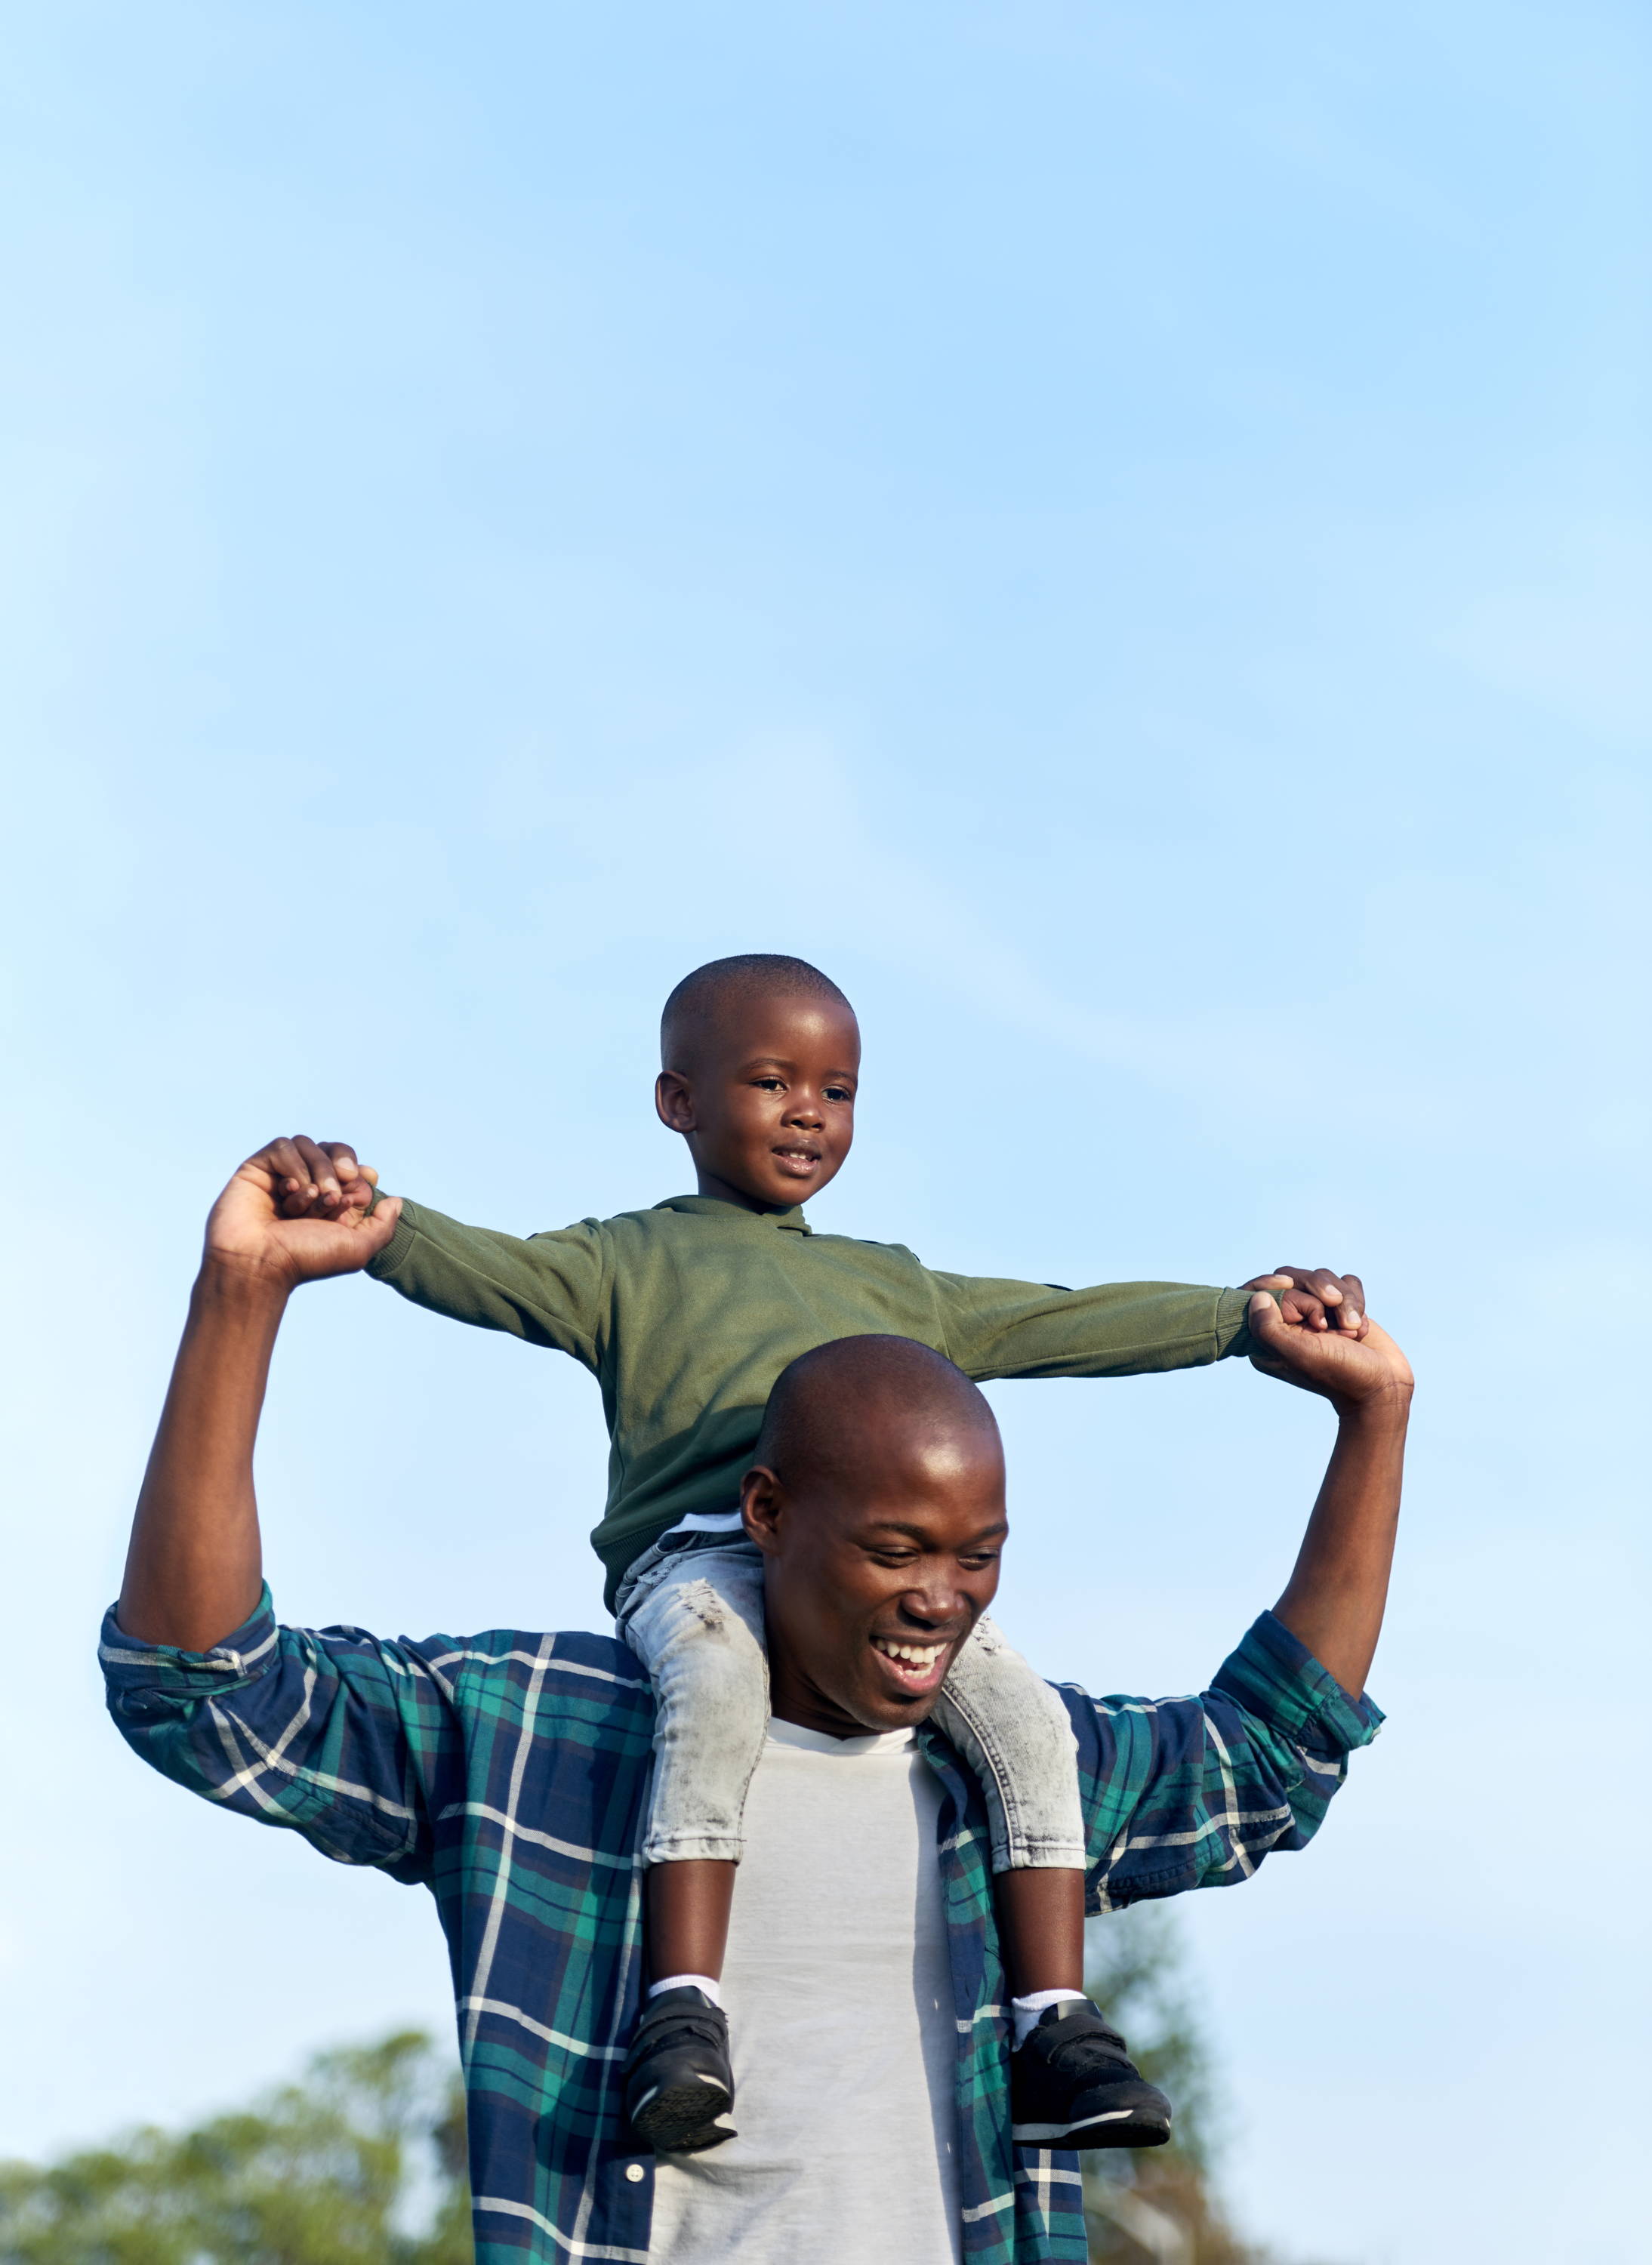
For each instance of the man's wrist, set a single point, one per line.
(230, 1283)
(1385, 1408)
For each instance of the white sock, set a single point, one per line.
(1024, 2012)
(689, 1981)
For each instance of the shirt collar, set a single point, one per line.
(805, 1741)
(791, 1220)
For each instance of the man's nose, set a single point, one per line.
(937, 1603)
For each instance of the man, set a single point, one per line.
(508, 1772)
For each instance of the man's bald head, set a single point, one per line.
(840, 1414)
(707, 1001)
(876, 1497)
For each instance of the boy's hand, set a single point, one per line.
(315, 1179)
(1313, 1297)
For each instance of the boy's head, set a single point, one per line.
(759, 1057)
(877, 1500)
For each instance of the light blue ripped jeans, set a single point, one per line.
(691, 1608)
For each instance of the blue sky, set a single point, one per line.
(1124, 534)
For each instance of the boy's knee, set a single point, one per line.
(700, 1599)
(724, 1648)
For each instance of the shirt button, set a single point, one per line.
(633, 2172)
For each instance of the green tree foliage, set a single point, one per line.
(1156, 2206)
(362, 2163)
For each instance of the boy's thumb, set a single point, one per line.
(382, 1218)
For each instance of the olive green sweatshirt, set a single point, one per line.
(685, 1314)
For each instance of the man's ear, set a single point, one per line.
(762, 1503)
(673, 1102)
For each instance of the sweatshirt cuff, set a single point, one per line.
(394, 1254)
(1233, 1330)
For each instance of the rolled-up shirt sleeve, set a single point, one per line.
(329, 1732)
(1195, 1792)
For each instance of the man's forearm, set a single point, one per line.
(194, 1570)
(1335, 1600)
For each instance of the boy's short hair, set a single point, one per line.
(746, 975)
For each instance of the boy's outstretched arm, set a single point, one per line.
(995, 1328)
(194, 1567)
(549, 1289)
(1335, 1600)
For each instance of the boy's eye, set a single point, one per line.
(771, 1084)
(838, 1093)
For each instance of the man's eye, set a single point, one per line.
(979, 1560)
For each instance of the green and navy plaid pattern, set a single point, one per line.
(508, 1774)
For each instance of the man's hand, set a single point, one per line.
(299, 1225)
(1316, 1298)
(319, 1179)
(1350, 1372)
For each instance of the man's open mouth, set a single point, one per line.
(915, 1668)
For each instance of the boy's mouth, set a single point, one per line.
(796, 1158)
(914, 1670)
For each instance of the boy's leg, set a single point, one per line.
(1041, 1923)
(695, 1620)
(1073, 2078)
(690, 1902)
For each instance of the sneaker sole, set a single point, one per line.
(684, 2119)
(1118, 2127)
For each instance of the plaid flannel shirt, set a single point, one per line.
(508, 1774)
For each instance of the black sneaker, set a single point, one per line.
(678, 2085)
(1072, 2084)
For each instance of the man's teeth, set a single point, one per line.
(916, 1655)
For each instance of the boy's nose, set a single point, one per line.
(805, 1111)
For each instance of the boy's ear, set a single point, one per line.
(673, 1102)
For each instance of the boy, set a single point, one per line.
(687, 1314)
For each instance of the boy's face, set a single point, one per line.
(766, 1098)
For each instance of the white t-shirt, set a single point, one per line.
(840, 1998)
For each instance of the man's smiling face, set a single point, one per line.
(878, 1565)
(765, 1096)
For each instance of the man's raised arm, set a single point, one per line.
(193, 1571)
(1335, 1600)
